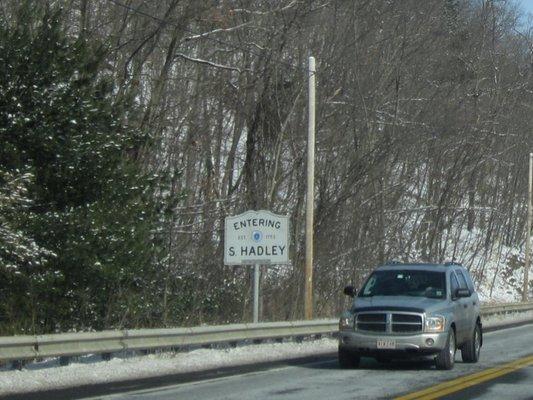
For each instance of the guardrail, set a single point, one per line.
(489, 309)
(17, 348)
(105, 342)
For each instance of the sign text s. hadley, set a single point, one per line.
(256, 237)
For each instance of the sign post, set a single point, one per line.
(257, 273)
(256, 238)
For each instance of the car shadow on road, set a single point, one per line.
(368, 363)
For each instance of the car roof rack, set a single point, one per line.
(453, 263)
(393, 262)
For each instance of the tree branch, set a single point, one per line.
(211, 64)
(203, 35)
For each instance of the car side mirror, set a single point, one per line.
(459, 293)
(350, 291)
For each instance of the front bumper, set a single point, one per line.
(366, 343)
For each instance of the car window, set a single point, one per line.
(462, 280)
(405, 282)
(469, 282)
(454, 283)
(367, 290)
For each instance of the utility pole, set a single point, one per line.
(308, 306)
(525, 293)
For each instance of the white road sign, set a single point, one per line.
(256, 237)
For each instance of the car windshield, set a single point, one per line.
(417, 283)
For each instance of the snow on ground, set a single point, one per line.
(499, 277)
(88, 370)
(496, 264)
(497, 269)
(48, 375)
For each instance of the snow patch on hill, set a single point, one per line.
(497, 269)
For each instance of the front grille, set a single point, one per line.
(406, 323)
(372, 322)
(389, 322)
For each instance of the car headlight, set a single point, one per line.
(345, 323)
(435, 324)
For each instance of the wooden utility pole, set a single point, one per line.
(525, 293)
(308, 306)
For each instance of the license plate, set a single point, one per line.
(386, 344)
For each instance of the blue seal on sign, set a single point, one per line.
(257, 236)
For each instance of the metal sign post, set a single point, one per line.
(256, 238)
(257, 273)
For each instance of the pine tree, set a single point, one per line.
(86, 221)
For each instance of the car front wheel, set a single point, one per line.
(472, 348)
(446, 358)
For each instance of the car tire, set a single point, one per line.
(446, 357)
(348, 359)
(472, 348)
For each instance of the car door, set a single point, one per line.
(469, 304)
(458, 309)
(474, 297)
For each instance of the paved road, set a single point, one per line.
(516, 385)
(324, 380)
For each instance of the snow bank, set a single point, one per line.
(91, 370)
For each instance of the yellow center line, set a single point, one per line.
(464, 382)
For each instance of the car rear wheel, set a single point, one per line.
(472, 348)
(348, 359)
(446, 358)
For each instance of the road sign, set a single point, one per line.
(256, 237)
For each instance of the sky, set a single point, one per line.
(527, 5)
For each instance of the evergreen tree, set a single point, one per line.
(82, 213)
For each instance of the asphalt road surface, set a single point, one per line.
(505, 371)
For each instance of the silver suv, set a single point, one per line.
(408, 310)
